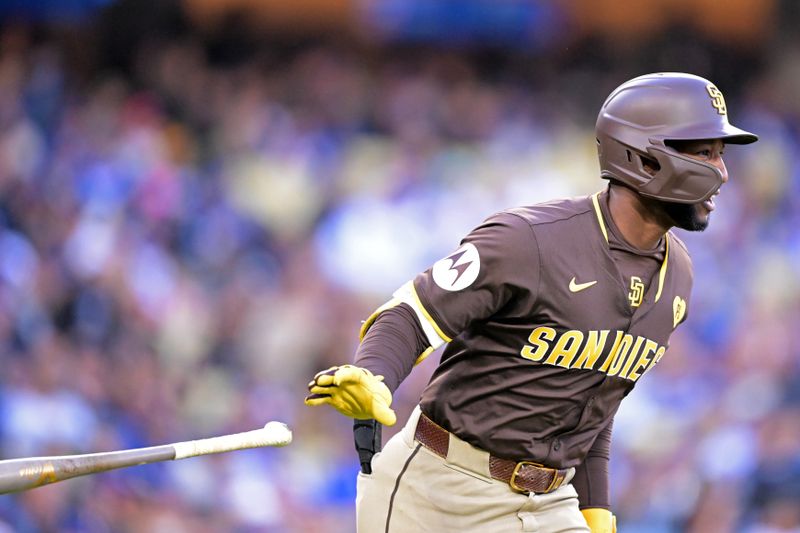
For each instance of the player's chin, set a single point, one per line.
(690, 217)
(700, 217)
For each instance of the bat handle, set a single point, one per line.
(273, 434)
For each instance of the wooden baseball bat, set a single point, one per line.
(28, 473)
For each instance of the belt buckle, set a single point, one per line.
(558, 476)
(558, 479)
(512, 482)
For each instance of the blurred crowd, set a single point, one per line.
(183, 244)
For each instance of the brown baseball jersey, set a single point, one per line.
(547, 327)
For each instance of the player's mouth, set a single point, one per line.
(709, 204)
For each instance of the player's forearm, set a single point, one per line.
(391, 345)
(591, 476)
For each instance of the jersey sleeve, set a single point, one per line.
(394, 343)
(497, 262)
(591, 477)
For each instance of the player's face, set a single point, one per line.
(694, 217)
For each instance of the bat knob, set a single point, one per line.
(280, 432)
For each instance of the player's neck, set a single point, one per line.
(641, 225)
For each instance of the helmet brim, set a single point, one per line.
(728, 134)
(745, 137)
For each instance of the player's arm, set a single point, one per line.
(390, 345)
(591, 483)
(470, 284)
(386, 351)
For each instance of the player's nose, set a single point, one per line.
(720, 164)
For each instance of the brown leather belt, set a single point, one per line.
(524, 476)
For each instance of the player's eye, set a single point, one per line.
(704, 153)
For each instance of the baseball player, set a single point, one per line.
(551, 315)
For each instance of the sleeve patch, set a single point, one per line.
(458, 270)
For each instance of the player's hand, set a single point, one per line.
(354, 392)
(600, 520)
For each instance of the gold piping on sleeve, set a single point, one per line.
(371, 318)
(599, 213)
(423, 355)
(663, 272)
(427, 316)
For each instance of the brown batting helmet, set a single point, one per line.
(640, 118)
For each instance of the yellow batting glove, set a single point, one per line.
(354, 392)
(600, 520)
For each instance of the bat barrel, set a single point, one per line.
(28, 473)
(23, 474)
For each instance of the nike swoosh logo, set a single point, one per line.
(577, 287)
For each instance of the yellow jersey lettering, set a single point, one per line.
(632, 356)
(595, 343)
(622, 353)
(613, 353)
(656, 359)
(628, 358)
(540, 339)
(642, 361)
(565, 349)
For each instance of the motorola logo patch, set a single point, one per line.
(458, 270)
